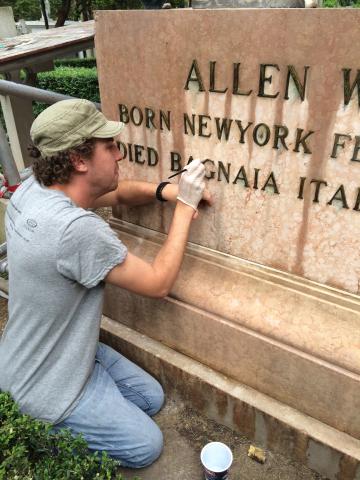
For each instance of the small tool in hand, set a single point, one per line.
(181, 171)
(177, 173)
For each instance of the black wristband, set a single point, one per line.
(159, 190)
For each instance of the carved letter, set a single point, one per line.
(264, 79)
(164, 118)
(236, 91)
(225, 172)
(212, 80)
(317, 189)
(348, 90)
(281, 132)
(241, 175)
(356, 150)
(340, 196)
(299, 87)
(261, 134)
(124, 113)
(242, 130)
(175, 159)
(149, 118)
(338, 144)
(357, 203)
(138, 153)
(301, 188)
(203, 124)
(302, 140)
(139, 114)
(189, 123)
(211, 172)
(271, 183)
(153, 156)
(197, 78)
(256, 177)
(224, 126)
(122, 148)
(130, 150)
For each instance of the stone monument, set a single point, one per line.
(7, 23)
(269, 100)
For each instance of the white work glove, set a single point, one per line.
(192, 185)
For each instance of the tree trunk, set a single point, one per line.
(63, 13)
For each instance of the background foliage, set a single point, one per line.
(30, 9)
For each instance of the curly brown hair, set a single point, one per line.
(58, 168)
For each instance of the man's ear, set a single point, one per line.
(79, 163)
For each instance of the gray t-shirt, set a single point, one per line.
(58, 255)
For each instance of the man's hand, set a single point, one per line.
(192, 184)
(171, 191)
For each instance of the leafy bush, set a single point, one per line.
(30, 450)
(75, 62)
(77, 82)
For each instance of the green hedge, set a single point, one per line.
(75, 62)
(30, 450)
(78, 82)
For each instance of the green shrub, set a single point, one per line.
(75, 62)
(77, 82)
(29, 450)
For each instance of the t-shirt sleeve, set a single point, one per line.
(88, 250)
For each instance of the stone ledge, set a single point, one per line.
(253, 270)
(262, 299)
(271, 423)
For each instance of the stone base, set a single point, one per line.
(266, 421)
(291, 339)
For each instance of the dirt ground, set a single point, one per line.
(186, 432)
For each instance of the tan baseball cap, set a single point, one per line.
(68, 123)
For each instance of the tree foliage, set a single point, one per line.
(62, 10)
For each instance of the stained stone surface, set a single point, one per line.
(291, 125)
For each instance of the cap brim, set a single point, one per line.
(109, 130)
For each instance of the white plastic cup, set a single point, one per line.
(216, 458)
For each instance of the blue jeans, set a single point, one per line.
(114, 412)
